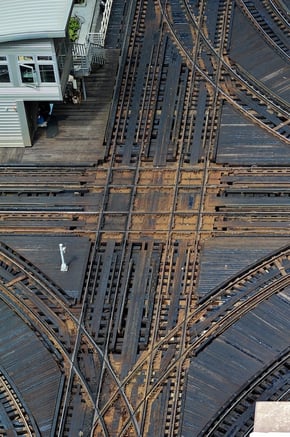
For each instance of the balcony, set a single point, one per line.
(88, 47)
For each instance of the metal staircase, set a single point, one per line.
(92, 51)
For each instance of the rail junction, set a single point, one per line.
(173, 317)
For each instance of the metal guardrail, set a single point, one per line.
(99, 37)
(92, 52)
(84, 55)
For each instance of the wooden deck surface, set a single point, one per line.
(43, 252)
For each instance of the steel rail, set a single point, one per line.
(255, 381)
(196, 315)
(25, 416)
(79, 328)
(215, 331)
(249, 81)
(120, 390)
(260, 29)
(213, 84)
(280, 13)
(198, 345)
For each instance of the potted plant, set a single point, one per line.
(74, 26)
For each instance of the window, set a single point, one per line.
(27, 69)
(4, 72)
(36, 69)
(46, 73)
(27, 72)
(44, 58)
(25, 58)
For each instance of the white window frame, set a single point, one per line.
(6, 63)
(34, 63)
(35, 82)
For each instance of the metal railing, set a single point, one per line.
(92, 51)
(85, 55)
(100, 36)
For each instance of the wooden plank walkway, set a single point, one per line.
(43, 252)
(31, 367)
(81, 127)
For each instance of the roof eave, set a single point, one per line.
(31, 35)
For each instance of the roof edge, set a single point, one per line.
(31, 35)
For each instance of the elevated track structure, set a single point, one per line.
(181, 321)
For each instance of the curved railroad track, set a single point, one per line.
(271, 383)
(167, 352)
(15, 414)
(215, 314)
(251, 10)
(235, 89)
(147, 210)
(45, 307)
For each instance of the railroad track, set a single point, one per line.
(214, 315)
(270, 34)
(50, 199)
(56, 319)
(272, 383)
(244, 200)
(145, 376)
(147, 210)
(280, 11)
(163, 318)
(14, 411)
(237, 85)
